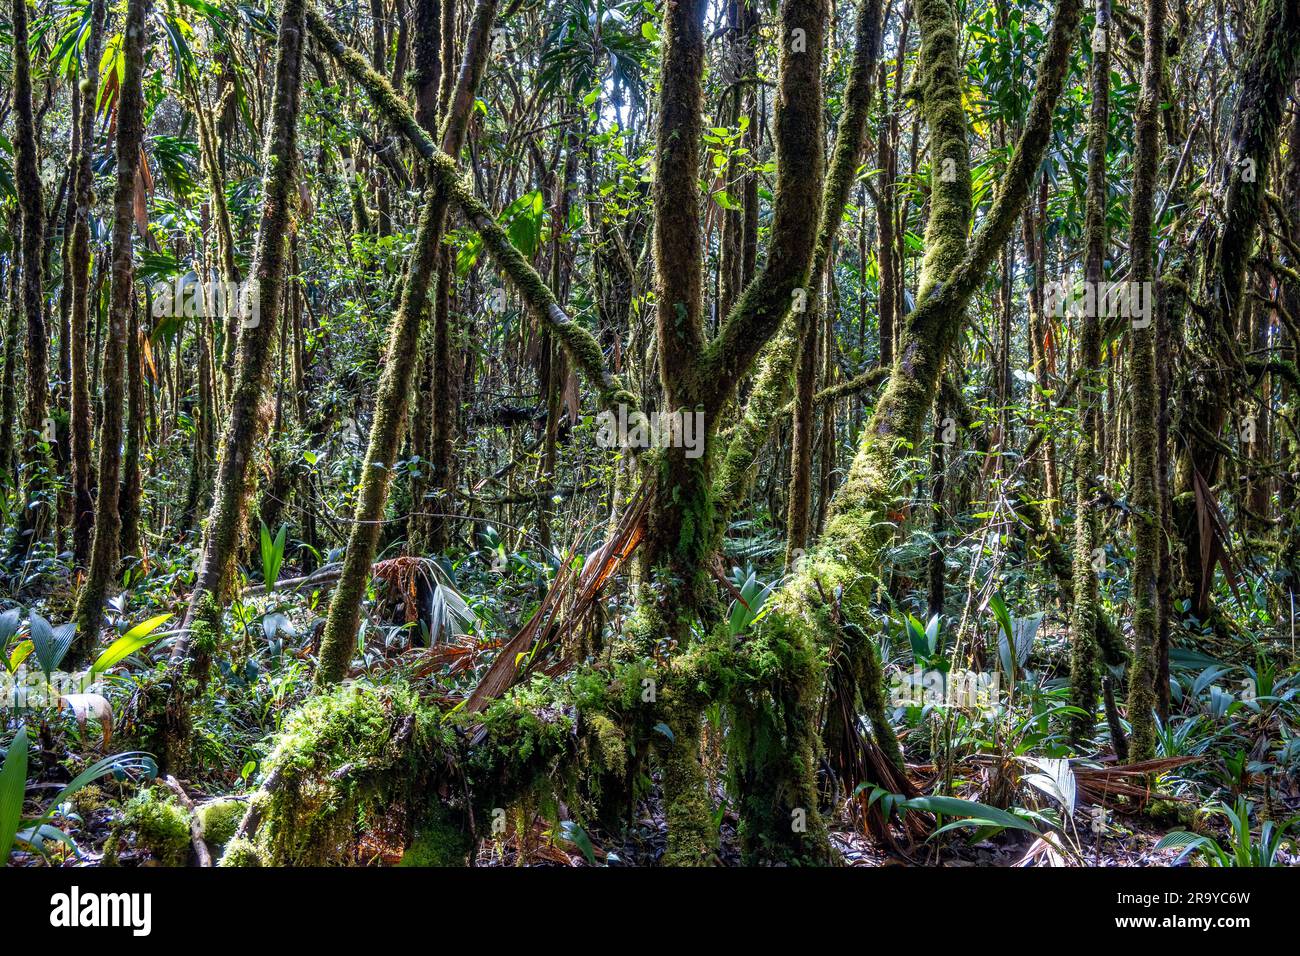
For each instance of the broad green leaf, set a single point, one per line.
(13, 789)
(133, 640)
(977, 814)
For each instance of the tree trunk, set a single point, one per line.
(129, 500)
(83, 501)
(9, 384)
(130, 133)
(191, 653)
(27, 182)
(798, 620)
(1145, 518)
(340, 636)
(1083, 647)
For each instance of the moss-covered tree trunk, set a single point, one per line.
(83, 502)
(338, 642)
(211, 155)
(9, 383)
(130, 133)
(845, 561)
(1083, 642)
(425, 79)
(128, 503)
(771, 390)
(801, 439)
(247, 422)
(1145, 518)
(31, 207)
(700, 375)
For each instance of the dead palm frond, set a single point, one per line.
(445, 613)
(567, 602)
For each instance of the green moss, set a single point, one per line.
(152, 820)
(940, 84)
(242, 852)
(529, 730)
(205, 629)
(692, 838)
(345, 758)
(88, 799)
(611, 744)
(219, 819)
(439, 841)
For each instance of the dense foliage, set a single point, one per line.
(618, 432)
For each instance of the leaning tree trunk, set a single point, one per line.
(771, 389)
(799, 619)
(338, 643)
(246, 423)
(130, 133)
(582, 349)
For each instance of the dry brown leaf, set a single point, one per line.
(91, 706)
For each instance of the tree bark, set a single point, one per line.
(31, 207)
(1145, 518)
(1083, 647)
(80, 425)
(130, 133)
(338, 642)
(191, 652)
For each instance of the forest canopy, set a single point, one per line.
(618, 432)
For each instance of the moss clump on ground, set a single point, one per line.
(152, 820)
(346, 757)
(242, 851)
(87, 800)
(440, 840)
(219, 819)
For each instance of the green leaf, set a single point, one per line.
(917, 637)
(977, 814)
(51, 643)
(272, 555)
(20, 653)
(1006, 641)
(13, 788)
(9, 622)
(133, 640)
(578, 837)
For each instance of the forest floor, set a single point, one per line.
(1130, 839)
